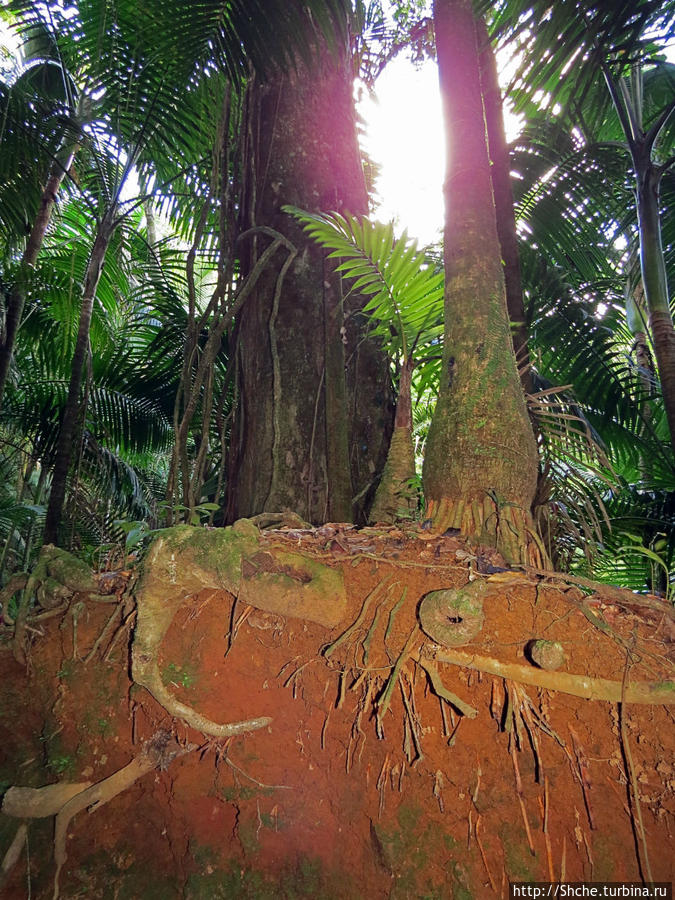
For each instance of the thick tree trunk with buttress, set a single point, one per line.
(312, 420)
(67, 433)
(480, 469)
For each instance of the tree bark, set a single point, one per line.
(396, 496)
(336, 407)
(67, 432)
(33, 246)
(480, 468)
(654, 280)
(312, 421)
(500, 172)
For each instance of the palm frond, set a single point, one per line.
(405, 290)
(561, 45)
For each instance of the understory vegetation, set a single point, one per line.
(134, 241)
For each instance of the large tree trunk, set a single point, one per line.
(67, 433)
(480, 469)
(314, 411)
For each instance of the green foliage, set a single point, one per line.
(578, 225)
(147, 99)
(126, 425)
(661, 568)
(404, 287)
(381, 34)
(560, 45)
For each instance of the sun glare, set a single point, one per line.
(404, 137)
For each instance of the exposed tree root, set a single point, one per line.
(372, 659)
(183, 560)
(149, 677)
(157, 753)
(285, 519)
(15, 583)
(56, 577)
(66, 800)
(291, 584)
(441, 691)
(634, 793)
(621, 596)
(506, 526)
(386, 695)
(40, 803)
(646, 692)
(13, 854)
(454, 616)
(358, 622)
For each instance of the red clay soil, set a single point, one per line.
(536, 787)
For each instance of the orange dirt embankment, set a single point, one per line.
(366, 783)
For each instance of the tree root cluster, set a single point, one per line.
(452, 618)
(507, 527)
(64, 800)
(513, 710)
(183, 560)
(56, 579)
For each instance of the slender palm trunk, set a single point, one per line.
(395, 495)
(655, 282)
(33, 246)
(500, 172)
(67, 433)
(648, 177)
(480, 468)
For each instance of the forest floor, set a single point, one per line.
(367, 783)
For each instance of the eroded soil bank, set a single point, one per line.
(366, 783)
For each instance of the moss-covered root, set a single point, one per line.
(56, 576)
(290, 584)
(507, 527)
(68, 570)
(146, 673)
(454, 616)
(180, 562)
(183, 560)
(396, 495)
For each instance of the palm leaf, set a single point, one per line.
(405, 291)
(561, 45)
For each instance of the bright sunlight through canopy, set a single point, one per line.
(404, 137)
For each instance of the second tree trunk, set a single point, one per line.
(480, 469)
